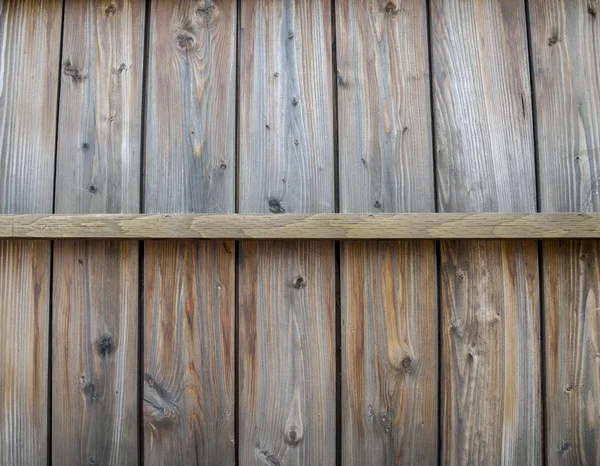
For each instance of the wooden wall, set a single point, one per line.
(299, 352)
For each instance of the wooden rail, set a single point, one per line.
(302, 226)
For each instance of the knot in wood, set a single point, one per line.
(299, 282)
(406, 362)
(92, 189)
(104, 345)
(377, 205)
(390, 7)
(110, 9)
(552, 41)
(294, 101)
(85, 146)
(72, 72)
(592, 10)
(564, 447)
(292, 438)
(185, 40)
(275, 206)
(223, 166)
(290, 35)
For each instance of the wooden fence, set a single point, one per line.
(438, 350)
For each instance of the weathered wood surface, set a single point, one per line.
(389, 353)
(286, 290)
(303, 226)
(99, 134)
(189, 352)
(384, 114)
(190, 122)
(286, 107)
(565, 45)
(286, 353)
(490, 362)
(29, 67)
(189, 294)
(95, 320)
(388, 289)
(95, 353)
(482, 107)
(490, 359)
(571, 314)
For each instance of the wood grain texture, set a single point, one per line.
(95, 360)
(286, 107)
(29, 67)
(389, 353)
(190, 135)
(572, 349)
(24, 313)
(99, 134)
(189, 353)
(490, 392)
(95, 302)
(482, 107)
(490, 359)
(388, 290)
(303, 226)
(565, 46)
(383, 107)
(190, 167)
(565, 52)
(286, 353)
(29, 63)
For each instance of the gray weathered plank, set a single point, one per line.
(491, 407)
(287, 338)
(189, 352)
(94, 359)
(389, 353)
(286, 353)
(190, 167)
(95, 302)
(383, 107)
(285, 107)
(490, 352)
(388, 289)
(190, 122)
(565, 45)
(29, 67)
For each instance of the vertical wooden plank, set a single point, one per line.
(286, 107)
(189, 359)
(29, 55)
(189, 286)
(287, 352)
(565, 46)
(190, 143)
(389, 353)
(490, 361)
(95, 302)
(490, 365)
(94, 360)
(384, 110)
(286, 308)
(388, 290)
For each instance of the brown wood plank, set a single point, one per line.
(571, 313)
(95, 302)
(190, 142)
(29, 67)
(490, 364)
(189, 352)
(286, 107)
(303, 226)
(287, 353)
(190, 167)
(491, 407)
(94, 359)
(287, 332)
(389, 353)
(565, 53)
(388, 289)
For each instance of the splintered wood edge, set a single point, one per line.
(302, 226)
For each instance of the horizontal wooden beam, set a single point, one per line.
(306, 226)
